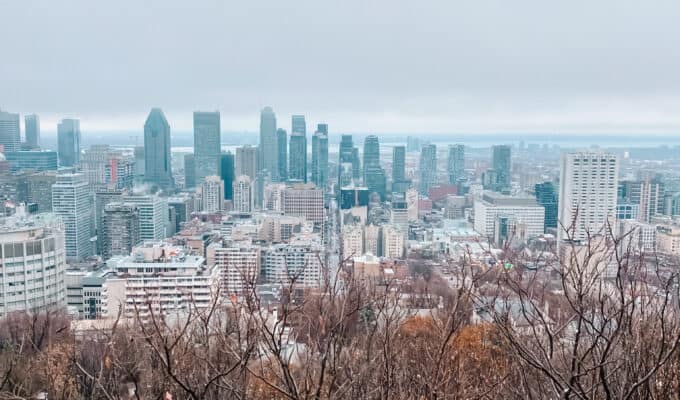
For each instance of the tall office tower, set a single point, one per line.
(356, 164)
(304, 201)
(35, 246)
(261, 181)
(652, 194)
(189, 171)
(206, 144)
(246, 161)
(227, 174)
(501, 165)
(243, 194)
(374, 176)
(546, 196)
(282, 143)
(40, 189)
(10, 132)
(428, 168)
(157, 169)
(120, 230)
(320, 157)
(269, 149)
(298, 124)
(68, 142)
(153, 215)
(140, 164)
(456, 163)
(101, 199)
(345, 161)
(105, 167)
(323, 128)
(398, 163)
(212, 194)
(297, 160)
(32, 128)
(71, 201)
(587, 200)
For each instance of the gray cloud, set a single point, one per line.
(362, 65)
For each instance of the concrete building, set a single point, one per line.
(120, 229)
(71, 201)
(239, 265)
(273, 197)
(246, 161)
(153, 215)
(372, 243)
(106, 168)
(39, 187)
(305, 201)
(33, 257)
(10, 132)
(352, 240)
(392, 242)
(523, 209)
(212, 194)
(588, 192)
(243, 194)
(296, 263)
(33, 160)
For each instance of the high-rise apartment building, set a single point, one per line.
(392, 242)
(428, 168)
(68, 142)
(282, 143)
(32, 129)
(297, 262)
(153, 215)
(71, 201)
(212, 194)
(246, 161)
(320, 157)
(243, 194)
(269, 149)
(456, 163)
(304, 201)
(297, 160)
(120, 229)
(239, 264)
(10, 132)
(587, 196)
(206, 144)
(157, 169)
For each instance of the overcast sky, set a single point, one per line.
(385, 66)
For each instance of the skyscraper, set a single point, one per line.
(153, 215)
(374, 176)
(212, 194)
(588, 188)
(398, 163)
(320, 157)
(227, 174)
(32, 127)
(10, 133)
(71, 201)
(298, 157)
(501, 166)
(546, 195)
(323, 128)
(456, 163)
(298, 124)
(282, 143)
(428, 168)
(120, 229)
(206, 144)
(356, 164)
(243, 194)
(68, 138)
(157, 168)
(269, 148)
(246, 161)
(105, 167)
(345, 161)
(189, 171)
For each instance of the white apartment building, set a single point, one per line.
(212, 194)
(160, 278)
(411, 198)
(243, 194)
(33, 263)
(71, 201)
(352, 240)
(587, 197)
(638, 235)
(392, 242)
(304, 200)
(239, 265)
(522, 209)
(153, 216)
(668, 240)
(372, 239)
(273, 196)
(299, 261)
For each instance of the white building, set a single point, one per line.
(212, 194)
(71, 202)
(298, 261)
(411, 198)
(638, 235)
(243, 194)
(159, 278)
(273, 196)
(352, 240)
(239, 266)
(33, 261)
(153, 216)
(668, 240)
(588, 190)
(522, 209)
(392, 242)
(372, 239)
(304, 200)
(84, 293)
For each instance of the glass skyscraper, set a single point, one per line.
(320, 156)
(32, 127)
(68, 138)
(428, 168)
(10, 133)
(157, 168)
(206, 144)
(297, 160)
(501, 166)
(227, 174)
(282, 143)
(456, 163)
(268, 149)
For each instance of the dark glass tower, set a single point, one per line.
(320, 156)
(206, 144)
(157, 169)
(227, 174)
(298, 157)
(456, 163)
(282, 143)
(501, 165)
(68, 142)
(547, 197)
